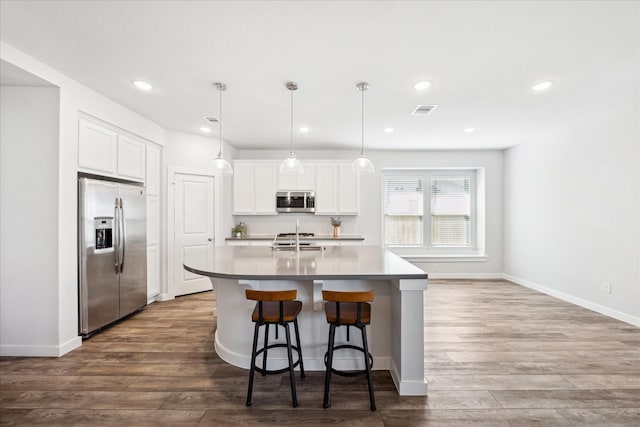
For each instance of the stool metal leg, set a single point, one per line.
(368, 368)
(253, 363)
(295, 327)
(327, 375)
(292, 377)
(266, 344)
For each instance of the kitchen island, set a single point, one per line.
(396, 337)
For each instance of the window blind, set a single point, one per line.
(450, 211)
(403, 210)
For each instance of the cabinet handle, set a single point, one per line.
(210, 239)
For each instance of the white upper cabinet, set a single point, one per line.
(348, 190)
(131, 158)
(255, 183)
(326, 188)
(98, 148)
(104, 151)
(254, 187)
(266, 185)
(243, 188)
(337, 189)
(306, 181)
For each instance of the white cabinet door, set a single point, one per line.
(153, 220)
(97, 148)
(152, 181)
(265, 186)
(153, 271)
(286, 181)
(348, 190)
(306, 181)
(131, 155)
(326, 186)
(243, 202)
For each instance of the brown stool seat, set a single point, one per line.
(348, 313)
(271, 311)
(347, 309)
(276, 308)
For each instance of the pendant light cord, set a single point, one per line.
(220, 127)
(291, 139)
(362, 147)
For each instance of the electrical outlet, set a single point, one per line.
(606, 287)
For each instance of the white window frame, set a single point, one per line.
(475, 250)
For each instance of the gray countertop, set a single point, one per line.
(334, 263)
(302, 238)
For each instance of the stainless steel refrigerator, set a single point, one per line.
(112, 251)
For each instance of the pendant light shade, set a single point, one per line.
(291, 165)
(219, 165)
(362, 164)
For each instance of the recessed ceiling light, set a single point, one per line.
(142, 85)
(304, 129)
(389, 130)
(469, 130)
(422, 85)
(542, 86)
(205, 130)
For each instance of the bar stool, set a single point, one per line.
(275, 308)
(347, 309)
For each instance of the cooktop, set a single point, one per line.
(294, 234)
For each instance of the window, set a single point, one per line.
(449, 218)
(450, 211)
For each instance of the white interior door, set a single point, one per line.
(193, 228)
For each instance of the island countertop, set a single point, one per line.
(332, 263)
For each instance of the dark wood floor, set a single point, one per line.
(497, 354)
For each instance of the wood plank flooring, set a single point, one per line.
(497, 354)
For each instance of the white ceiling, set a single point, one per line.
(481, 57)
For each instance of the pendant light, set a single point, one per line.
(291, 165)
(362, 164)
(219, 165)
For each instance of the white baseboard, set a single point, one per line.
(40, 350)
(635, 321)
(164, 297)
(482, 276)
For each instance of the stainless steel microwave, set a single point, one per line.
(295, 201)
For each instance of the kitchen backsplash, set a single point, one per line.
(286, 223)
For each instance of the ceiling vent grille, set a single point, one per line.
(212, 120)
(423, 110)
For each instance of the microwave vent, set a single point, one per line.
(423, 110)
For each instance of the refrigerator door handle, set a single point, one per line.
(123, 235)
(116, 240)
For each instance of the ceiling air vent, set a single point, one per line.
(423, 110)
(212, 120)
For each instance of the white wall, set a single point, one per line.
(29, 120)
(572, 214)
(369, 222)
(74, 97)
